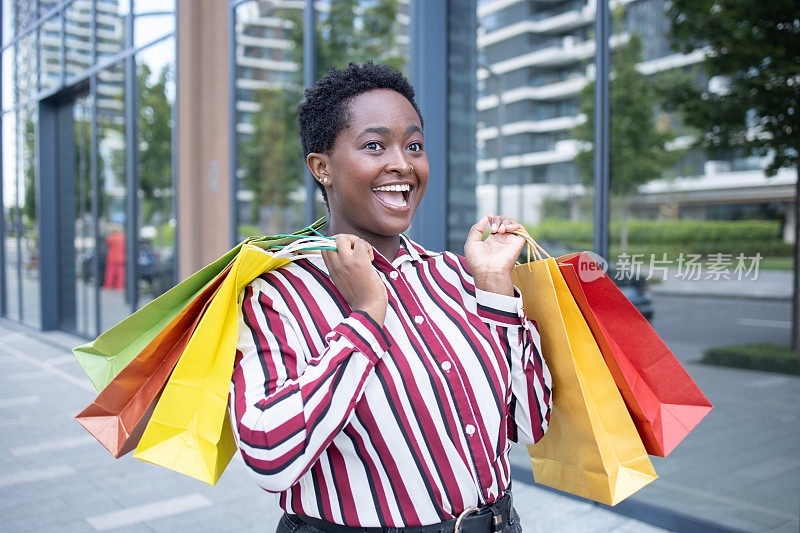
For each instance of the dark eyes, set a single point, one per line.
(376, 146)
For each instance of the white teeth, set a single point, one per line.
(393, 188)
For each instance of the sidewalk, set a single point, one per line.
(769, 285)
(56, 477)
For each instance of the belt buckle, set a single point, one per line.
(463, 515)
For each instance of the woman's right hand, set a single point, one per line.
(350, 268)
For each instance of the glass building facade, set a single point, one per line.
(87, 162)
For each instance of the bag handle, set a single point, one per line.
(539, 253)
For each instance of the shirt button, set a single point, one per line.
(393, 274)
(418, 319)
(446, 366)
(470, 429)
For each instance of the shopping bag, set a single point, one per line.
(104, 357)
(664, 401)
(119, 414)
(189, 431)
(591, 447)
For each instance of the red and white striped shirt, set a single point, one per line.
(403, 425)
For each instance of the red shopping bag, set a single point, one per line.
(118, 416)
(663, 400)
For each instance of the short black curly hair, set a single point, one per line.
(324, 113)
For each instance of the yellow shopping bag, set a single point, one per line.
(591, 448)
(190, 431)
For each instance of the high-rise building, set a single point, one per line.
(542, 53)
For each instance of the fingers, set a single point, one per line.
(348, 247)
(500, 224)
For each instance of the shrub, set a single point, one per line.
(767, 357)
(675, 236)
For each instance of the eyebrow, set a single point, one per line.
(386, 131)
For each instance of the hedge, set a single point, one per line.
(675, 236)
(767, 357)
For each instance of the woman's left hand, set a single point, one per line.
(491, 260)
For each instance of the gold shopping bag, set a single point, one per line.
(190, 431)
(591, 448)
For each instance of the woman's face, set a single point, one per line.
(377, 170)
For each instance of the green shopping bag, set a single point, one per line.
(103, 358)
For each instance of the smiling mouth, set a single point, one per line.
(393, 196)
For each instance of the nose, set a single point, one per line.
(401, 167)
(399, 164)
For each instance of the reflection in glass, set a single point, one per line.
(78, 38)
(541, 73)
(45, 6)
(269, 59)
(114, 303)
(50, 53)
(25, 73)
(152, 6)
(7, 80)
(110, 29)
(11, 215)
(268, 88)
(148, 28)
(7, 21)
(84, 320)
(26, 197)
(156, 93)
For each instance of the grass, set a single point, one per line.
(767, 357)
(776, 263)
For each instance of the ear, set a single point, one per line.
(319, 165)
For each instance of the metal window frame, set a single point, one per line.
(89, 77)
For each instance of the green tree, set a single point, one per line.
(752, 49)
(639, 137)
(271, 156)
(155, 142)
(348, 33)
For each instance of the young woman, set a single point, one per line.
(380, 385)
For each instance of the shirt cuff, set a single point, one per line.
(365, 334)
(499, 309)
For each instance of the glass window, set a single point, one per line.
(78, 38)
(45, 6)
(269, 83)
(155, 68)
(148, 28)
(27, 195)
(153, 6)
(270, 162)
(7, 80)
(7, 18)
(110, 30)
(111, 142)
(690, 237)
(12, 216)
(50, 53)
(82, 317)
(25, 72)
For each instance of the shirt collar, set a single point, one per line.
(411, 251)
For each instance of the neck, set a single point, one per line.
(387, 246)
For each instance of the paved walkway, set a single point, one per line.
(55, 477)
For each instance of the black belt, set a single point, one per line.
(488, 519)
